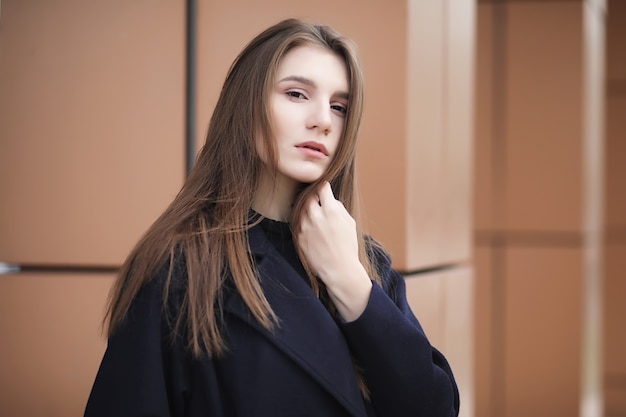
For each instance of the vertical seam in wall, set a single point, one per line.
(444, 118)
(498, 365)
(498, 242)
(190, 85)
(441, 193)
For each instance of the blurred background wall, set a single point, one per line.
(490, 164)
(614, 256)
(549, 208)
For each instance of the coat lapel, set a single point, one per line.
(306, 333)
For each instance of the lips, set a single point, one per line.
(316, 146)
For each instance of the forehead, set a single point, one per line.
(316, 63)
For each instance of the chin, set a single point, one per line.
(308, 179)
(302, 173)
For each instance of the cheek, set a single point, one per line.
(337, 139)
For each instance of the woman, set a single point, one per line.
(255, 293)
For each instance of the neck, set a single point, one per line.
(274, 198)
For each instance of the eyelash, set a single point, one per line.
(295, 94)
(341, 109)
(298, 95)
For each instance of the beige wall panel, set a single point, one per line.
(594, 117)
(458, 289)
(543, 332)
(598, 4)
(426, 131)
(484, 346)
(594, 138)
(91, 132)
(485, 215)
(614, 335)
(380, 32)
(51, 343)
(443, 302)
(615, 34)
(458, 139)
(440, 122)
(425, 294)
(543, 114)
(615, 175)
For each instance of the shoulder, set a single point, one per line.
(163, 292)
(169, 273)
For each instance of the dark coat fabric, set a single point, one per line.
(303, 368)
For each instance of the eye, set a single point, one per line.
(339, 108)
(296, 94)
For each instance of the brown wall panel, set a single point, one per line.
(91, 128)
(51, 344)
(615, 337)
(487, 357)
(615, 31)
(538, 208)
(544, 116)
(485, 171)
(543, 332)
(615, 214)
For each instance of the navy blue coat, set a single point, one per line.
(303, 368)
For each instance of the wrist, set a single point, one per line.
(351, 293)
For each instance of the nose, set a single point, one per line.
(321, 118)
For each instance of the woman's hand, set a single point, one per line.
(328, 239)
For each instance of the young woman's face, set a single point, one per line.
(308, 108)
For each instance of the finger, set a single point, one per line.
(313, 200)
(312, 205)
(325, 194)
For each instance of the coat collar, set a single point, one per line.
(306, 332)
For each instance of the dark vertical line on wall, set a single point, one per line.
(499, 39)
(190, 87)
(498, 366)
(445, 112)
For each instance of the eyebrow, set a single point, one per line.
(311, 83)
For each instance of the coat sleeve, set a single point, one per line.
(406, 376)
(141, 373)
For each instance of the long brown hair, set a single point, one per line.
(208, 221)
